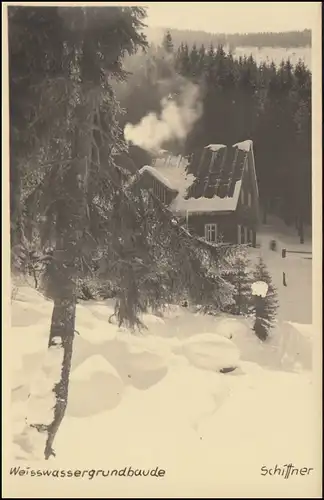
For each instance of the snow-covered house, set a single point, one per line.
(216, 193)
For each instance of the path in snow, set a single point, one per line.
(296, 298)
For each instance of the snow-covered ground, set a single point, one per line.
(295, 298)
(276, 54)
(160, 399)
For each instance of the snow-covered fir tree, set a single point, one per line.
(265, 304)
(240, 277)
(167, 43)
(65, 144)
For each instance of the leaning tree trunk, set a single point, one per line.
(70, 226)
(61, 337)
(63, 318)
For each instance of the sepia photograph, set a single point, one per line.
(162, 240)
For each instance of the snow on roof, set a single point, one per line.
(172, 172)
(215, 147)
(244, 146)
(157, 174)
(201, 205)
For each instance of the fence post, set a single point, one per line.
(283, 254)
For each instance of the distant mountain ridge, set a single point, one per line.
(285, 39)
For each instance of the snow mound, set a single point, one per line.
(294, 349)
(95, 386)
(40, 408)
(231, 328)
(306, 330)
(91, 366)
(145, 359)
(23, 313)
(18, 414)
(100, 310)
(26, 293)
(151, 318)
(155, 350)
(29, 339)
(211, 352)
(92, 323)
(188, 409)
(260, 289)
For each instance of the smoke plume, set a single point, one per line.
(177, 117)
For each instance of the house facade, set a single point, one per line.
(215, 194)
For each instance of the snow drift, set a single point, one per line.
(160, 397)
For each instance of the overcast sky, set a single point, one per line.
(234, 17)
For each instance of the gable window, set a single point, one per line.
(211, 232)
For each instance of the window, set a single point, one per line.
(246, 235)
(242, 196)
(249, 199)
(242, 234)
(159, 191)
(211, 232)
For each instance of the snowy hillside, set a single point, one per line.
(160, 398)
(276, 54)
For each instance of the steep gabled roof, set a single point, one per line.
(157, 174)
(217, 172)
(211, 183)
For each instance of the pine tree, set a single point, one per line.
(265, 308)
(167, 43)
(194, 61)
(240, 277)
(201, 60)
(183, 60)
(303, 149)
(73, 130)
(87, 204)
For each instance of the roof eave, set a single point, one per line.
(203, 212)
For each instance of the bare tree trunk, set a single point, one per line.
(62, 336)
